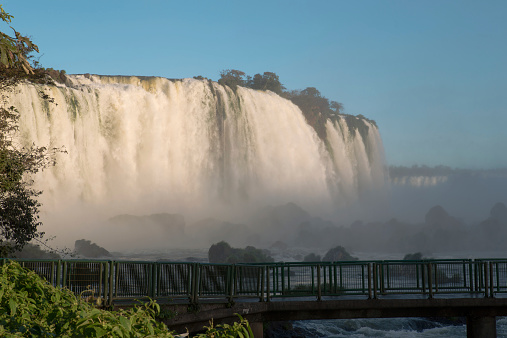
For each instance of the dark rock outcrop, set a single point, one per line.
(88, 249)
(338, 253)
(222, 252)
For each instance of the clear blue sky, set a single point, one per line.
(432, 73)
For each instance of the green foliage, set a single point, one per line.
(239, 329)
(30, 307)
(232, 78)
(34, 251)
(14, 50)
(314, 106)
(57, 75)
(19, 207)
(267, 81)
(18, 200)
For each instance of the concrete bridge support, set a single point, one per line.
(257, 329)
(481, 327)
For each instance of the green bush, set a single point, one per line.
(30, 307)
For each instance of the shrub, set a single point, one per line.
(30, 307)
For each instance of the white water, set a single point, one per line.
(148, 145)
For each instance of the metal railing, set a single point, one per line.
(194, 282)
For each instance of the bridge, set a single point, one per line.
(191, 294)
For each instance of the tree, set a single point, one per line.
(337, 107)
(314, 106)
(267, 81)
(232, 78)
(14, 50)
(19, 207)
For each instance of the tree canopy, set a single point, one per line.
(19, 207)
(14, 50)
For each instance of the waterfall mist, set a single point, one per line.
(142, 146)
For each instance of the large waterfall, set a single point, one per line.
(144, 145)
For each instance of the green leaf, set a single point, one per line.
(99, 331)
(13, 306)
(125, 322)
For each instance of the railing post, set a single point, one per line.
(486, 279)
(335, 279)
(430, 282)
(113, 277)
(232, 278)
(477, 268)
(497, 268)
(491, 281)
(64, 274)
(195, 283)
(288, 278)
(105, 281)
(435, 277)
(370, 294)
(268, 291)
(101, 276)
(375, 280)
(423, 276)
(471, 276)
(53, 273)
(59, 273)
(381, 278)
(319, 290)
(261, 276)
(154, 283)
(283, 278)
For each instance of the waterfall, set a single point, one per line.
(144, 145)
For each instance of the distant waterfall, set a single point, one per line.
(141, 145)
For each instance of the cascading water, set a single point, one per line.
(145, 145)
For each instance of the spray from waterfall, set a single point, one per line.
(143, 146)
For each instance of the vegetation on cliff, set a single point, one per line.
(316, 108)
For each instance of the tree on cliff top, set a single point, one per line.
(232, 78)
(19, 207)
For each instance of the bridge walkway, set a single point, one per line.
(474, 288)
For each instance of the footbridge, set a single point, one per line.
(191, 294)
